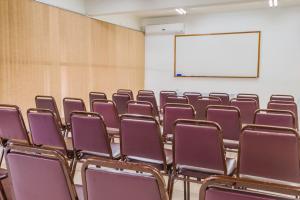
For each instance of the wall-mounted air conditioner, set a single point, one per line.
(159, 29)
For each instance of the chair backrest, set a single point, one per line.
(247, 96)
(284, 105)
(150, 99)
(12, 126)
(163, 97)
(192, 97)
(247, 108)
(126, 184)
(126, 91)
(89, 133)
(177, 99)
(269, 153)
(223, 96)
(141, 138)
(228, 117)
(37, 173)
(121, 100)
(96, 95)
(221, 188)
(107, 109)
(172, 112)
(145, 93)
(202, 103)
(140, 108)
(191, 139)
(48, 102)
(281, 97)
(272, 117)
(70, 105)
(44, 129)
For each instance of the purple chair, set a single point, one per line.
(126, 91)
(228, 117)
(269, 153)
(192, 97)
(177, 99)
(198, 152)
(202, 103)
(141, 142)
(121, 100)
(272, 117)
(145, 93)
(247, 96)
(128, 184)
(285, 105)
(281, 97)
(107, 109)
(96, 95)
(45, 130)
(171, 113)
(140, 108)
(247, 108)
(223, 96)
(150, 99)
(48, 102)
(224, 188)
(71, 105)
(12, 126)
(90, 138)
(39, 174)
(163, 97)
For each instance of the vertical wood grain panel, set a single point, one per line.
(47, 50)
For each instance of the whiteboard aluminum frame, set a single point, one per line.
(228, 33)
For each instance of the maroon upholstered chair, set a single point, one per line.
(285, 105)
(140, 108)
(177, 99)
(228, 117)
(272, 117)
(71, 105)
(224, 188)
(37, 173)
(141, 142)
(44, 130)
(150, 99)
(128, 184)
(48, 102)
(198, 152)
(223, 96)
(269, 153)
(281, 97)
(107, 109)
(121, 100)
(96, 95)
(247, 108)
(171, 113)
(202, 104)
(145, 93)
(247, 96)
(12, 126)
(163, 97)
(126, 91)
(90, 137)
(192, 97)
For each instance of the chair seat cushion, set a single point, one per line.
(231, 144)
(115, 148)
(113, 131)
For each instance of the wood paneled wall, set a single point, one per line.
(50, 51)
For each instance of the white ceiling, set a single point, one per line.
(162, 8)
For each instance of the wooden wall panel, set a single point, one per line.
(47, 50)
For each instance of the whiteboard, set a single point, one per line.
(235, 55)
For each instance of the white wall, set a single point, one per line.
(280, 53)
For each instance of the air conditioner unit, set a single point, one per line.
(160, 29)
